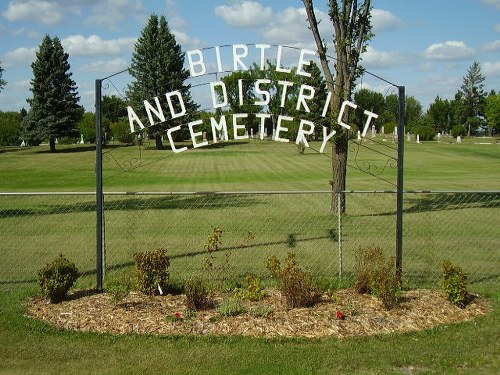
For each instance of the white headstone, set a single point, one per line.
(373, 131)
(408, 137)
(382, 130)
(395, 131)
(418, 138)
(81, 139)
(439, 137)
(274, 134)
(359, 135)
(251, 133)
(459, 139)
(23, 144)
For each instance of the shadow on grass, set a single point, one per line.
(433, 202)
(191, 254)
(203, 200)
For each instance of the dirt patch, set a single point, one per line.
(363, 315)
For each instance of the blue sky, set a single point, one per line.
(425, 45)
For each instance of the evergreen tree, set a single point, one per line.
(158, 68)
(54, 110)
(2, 81)
(473, 95)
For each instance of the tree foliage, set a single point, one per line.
(10, 128)
(158, 68)
(473, 95)
(351, 21)
(54, 110)
(2, 81)
(492, 112)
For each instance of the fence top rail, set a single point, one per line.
(261, 192)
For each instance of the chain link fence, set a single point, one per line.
(459, 226)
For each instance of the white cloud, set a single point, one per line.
(110, 13)
(380, 59)
(78, 45)
(109, 66)
(37, 11)
(19, 55)
(383, 20)
(492, 46)
(449, 50)
(493, 3)
(186, 41)
(245, 14)
(491, 69)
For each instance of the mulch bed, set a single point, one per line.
(363, 315)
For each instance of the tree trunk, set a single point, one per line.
(159, 142)
(52, 144)
(339, 167)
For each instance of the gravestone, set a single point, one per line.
(459, 139)
(418, 138)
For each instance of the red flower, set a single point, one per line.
(178, 315)
(340, 316)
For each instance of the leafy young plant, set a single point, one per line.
(216, 271)
(56, 278)
(118, 291)
(253, 290)
(454, 283)
(231, 307)
(198, 294)
(296, 286)
(152, 271)
(376, 275)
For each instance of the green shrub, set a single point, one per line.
(425, 132)
(56, 278)
(454, 284)
(198, 294)
(296, 286)
(458, 130)
(231, 307)
(118, 291)
(253, 290)
(152, 271)
(376, 275)
(261, 311)
(215, 268)
(333, 234)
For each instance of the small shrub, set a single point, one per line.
(216, 270)
(458, 130)
(198, 294)
(152, 271)
(56, 278)
(261, 311)
(118, 291)
(454, 283)
(253, 290)
(296, 286)
(376, 275)
(231, 307)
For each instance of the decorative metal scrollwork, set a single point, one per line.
(370, 168)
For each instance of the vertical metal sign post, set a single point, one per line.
(399, 203)
(98, 188)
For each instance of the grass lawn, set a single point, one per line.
(40, 226)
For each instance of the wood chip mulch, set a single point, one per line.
(363, 315)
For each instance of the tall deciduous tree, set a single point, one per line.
(492, 112)
(473, 95)
(2, 81)
(158, 68)
(352, 30)
(54, 110)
